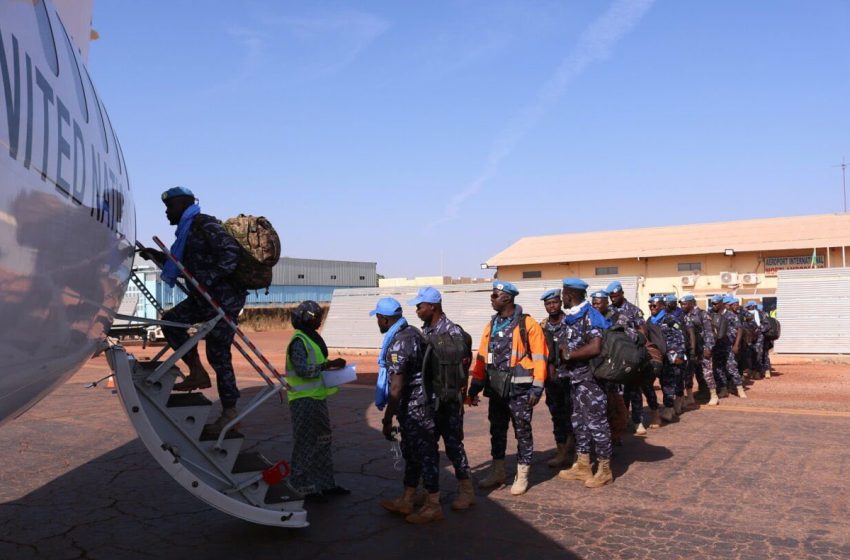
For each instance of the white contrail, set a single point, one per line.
(595, 44)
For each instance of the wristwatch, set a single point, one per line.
(567, 357)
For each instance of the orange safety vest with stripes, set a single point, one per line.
(534, 360)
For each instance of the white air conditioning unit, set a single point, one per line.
(729, 278)
(750, 278)
(688, 281)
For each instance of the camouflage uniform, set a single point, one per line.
(631, 315)
(415, 411)
(501, 412)
(725, 362)
(557, 386)
(590, 403)
(701, 366)
(449, 420)
(672, 376)
(211, 256)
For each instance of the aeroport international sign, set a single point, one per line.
(774, 264)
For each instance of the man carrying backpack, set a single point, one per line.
(447, 359)
(734, 343)
(402, 393)
(590, 404)
(700, 359)
(672, 385)
(631, 315)
(511, 369)
(211, 255)
(558, 399)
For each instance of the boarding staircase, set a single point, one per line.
(212, 465)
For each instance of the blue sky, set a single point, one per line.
(397, 132)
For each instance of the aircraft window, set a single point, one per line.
(98, 113)
(78, 82)
(45, 31)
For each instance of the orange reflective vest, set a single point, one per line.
(536, 362)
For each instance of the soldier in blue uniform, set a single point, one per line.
(557, 385)
(617, 412)
(632, 315)
(448, 418)
(731, 346)
(672, 384)
(210, 254)
(401, 356)
(700, 358)
(590, 403)
(757, 346)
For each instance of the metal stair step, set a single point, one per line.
(226, 456)
(208, 435)
(282, 492)
(187, 399)
(250, 461)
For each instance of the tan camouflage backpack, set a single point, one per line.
(261, 246)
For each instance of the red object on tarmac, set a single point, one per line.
(274, 475)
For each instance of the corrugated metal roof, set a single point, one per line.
(800, 232)
(814, 309)
(291, 271)
(349, 325)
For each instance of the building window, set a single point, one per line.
(300, 276)
(362, 277)
(607, 270)
(690, 267)
(531, 274)
(333, 276)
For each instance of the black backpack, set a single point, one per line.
(720, 324)
(446, 365)
(774, 330)
(622, 359)
(656, 336)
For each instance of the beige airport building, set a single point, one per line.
(740, 257)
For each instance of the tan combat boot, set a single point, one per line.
(741, 393)
(603, 475)
(723, 392)
(767, 374)
(678, 403)
(714, 400)
(560, 458)
(431, 511)
(654, 419)
(689, 398)
(520, 485)
(497, 475)
(580, 470)
(227, 415)
(668, 414)
(465, 495)
(198, 378)
(402, 505)
(640, 430)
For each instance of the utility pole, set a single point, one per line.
(843, 167)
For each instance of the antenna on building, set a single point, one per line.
(843, 167)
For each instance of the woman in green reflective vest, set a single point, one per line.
(306, 359)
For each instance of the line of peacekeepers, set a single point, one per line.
(423, 375)
(518, 359)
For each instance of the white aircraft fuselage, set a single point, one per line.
(67, 220)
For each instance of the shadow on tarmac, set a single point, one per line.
(123, 504)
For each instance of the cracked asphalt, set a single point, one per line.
(740, 481)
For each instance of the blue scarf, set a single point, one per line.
(382, 387)
(169, 271)
(655, 319)
(575, 314)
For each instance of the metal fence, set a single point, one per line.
(349, 325)
(813, 307)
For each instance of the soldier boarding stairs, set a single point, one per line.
(210, 464)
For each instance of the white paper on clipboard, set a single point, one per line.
(337, 377)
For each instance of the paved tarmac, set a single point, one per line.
(731, 482)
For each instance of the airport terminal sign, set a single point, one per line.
(774, 264)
